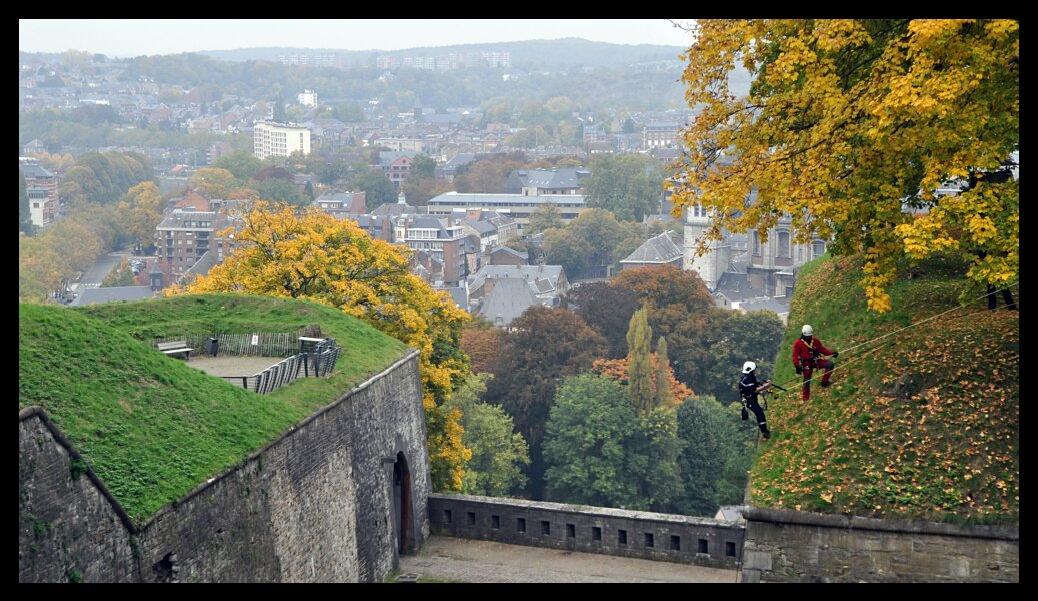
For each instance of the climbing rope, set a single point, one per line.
(867, 352)
(912, 325)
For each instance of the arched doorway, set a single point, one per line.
(403, 505)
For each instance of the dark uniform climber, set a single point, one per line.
(748, 390)
(807, 356)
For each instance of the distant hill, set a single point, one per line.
(562, 53)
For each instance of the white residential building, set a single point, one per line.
(308, 98)
(280, 139)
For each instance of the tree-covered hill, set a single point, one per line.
(921, 424)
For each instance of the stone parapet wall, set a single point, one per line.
(656, 536)
(793, 546)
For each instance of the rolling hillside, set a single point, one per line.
(921, 424)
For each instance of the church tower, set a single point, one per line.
(714, 262)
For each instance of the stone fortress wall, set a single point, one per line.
(318, 504)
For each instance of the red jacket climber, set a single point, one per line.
(807, 356)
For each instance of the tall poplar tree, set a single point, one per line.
(664, 394)
(639, 372)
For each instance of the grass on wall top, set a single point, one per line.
(153, 428)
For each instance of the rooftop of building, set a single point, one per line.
(655, 250)
(453, 198)
(507, 301)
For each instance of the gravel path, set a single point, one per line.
(231, 365)
(463, 560)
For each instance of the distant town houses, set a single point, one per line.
(504, 255)
(442, 239)
(416, 145)
(396, 165)
(656, 135)
(444, 62)
(183, 236)
(546, 282)
(489, 227)
(342, 204)
(744, 271)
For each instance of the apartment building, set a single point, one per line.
(659, 135)
(182, 237)
(279, 139)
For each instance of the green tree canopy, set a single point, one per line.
(640, 385)
(543, 346)
(499, 454)
(241, 163)
(377, 188)
(708, 434)
(545, 217)
(628, 185)
(584, 447)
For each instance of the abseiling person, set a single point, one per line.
(749, 388)
(807, 357)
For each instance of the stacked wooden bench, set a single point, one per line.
(176, 347)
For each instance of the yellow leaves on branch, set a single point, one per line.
(311, 255)
(848, 119)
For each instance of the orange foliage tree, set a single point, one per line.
(616, 369)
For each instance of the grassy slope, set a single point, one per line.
(152, 427)
(945, 447)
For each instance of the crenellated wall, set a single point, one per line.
(317, 504)
(641, 534)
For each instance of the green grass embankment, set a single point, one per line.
(153, 428)
(924, 427)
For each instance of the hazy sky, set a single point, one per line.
(133, 37)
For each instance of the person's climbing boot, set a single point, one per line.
(825, 384)
(766, 435)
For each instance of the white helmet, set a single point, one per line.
(807, 330)
(748, 367)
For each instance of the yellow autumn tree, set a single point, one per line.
(214, 182)
(850, 127)
(305, 253)
(141, 210)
